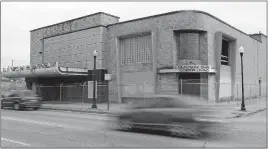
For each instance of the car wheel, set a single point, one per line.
(16, 107)
(180, 131)
(124, 125)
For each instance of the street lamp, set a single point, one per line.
(241, 51)
(95, 53)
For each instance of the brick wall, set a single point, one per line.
(250, 45)
(76, 49)
(66, 27)
(165, 44)
(188, 46)
(71, 43)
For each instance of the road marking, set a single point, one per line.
(30, 121)
(13, 141)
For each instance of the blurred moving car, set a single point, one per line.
(184, 116)
(22, 99)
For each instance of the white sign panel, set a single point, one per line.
(90, 89)
(108, 77)
(193, 68)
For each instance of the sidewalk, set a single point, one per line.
(86, 107)
(226, 110)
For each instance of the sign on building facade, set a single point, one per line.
(193, 68)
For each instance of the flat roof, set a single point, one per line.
(180, 11)
(153, 16)
(75, 19)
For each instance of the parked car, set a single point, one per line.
(184, 116)
(2, 97)
(22, 99)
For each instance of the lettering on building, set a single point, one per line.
(193, 68)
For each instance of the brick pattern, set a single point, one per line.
(188, 46)
(250, 71)
(66, 27)
(136, 50)
(167, 84)
(163, 26)
(75, 49)
(203, 48)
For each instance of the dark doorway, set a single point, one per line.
(189, 84)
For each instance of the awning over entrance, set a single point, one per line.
(46, 72)
(54, 71)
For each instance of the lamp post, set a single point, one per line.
(94, 79)
(241, 51)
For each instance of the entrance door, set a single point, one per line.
(189, 84)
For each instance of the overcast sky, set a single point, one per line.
(18, 18)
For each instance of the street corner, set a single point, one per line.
(240, 113)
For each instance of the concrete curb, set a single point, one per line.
(249, 114)
(236, 115)
(77, 110)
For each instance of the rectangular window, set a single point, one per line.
(137, 49)
(225, 52)
(188, 45)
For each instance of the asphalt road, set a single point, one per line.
(66, 129)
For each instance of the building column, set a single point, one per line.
(233, 68)
(214, 79)
(118, 71)
(154, 42)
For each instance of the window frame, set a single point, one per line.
(228, 50)
(141, 54)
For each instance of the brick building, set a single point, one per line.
(166, 51)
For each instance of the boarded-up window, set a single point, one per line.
(188, 46)
(136, 49)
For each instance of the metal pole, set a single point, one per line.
(181, 87)
(237, 95)
(108, 103)
(12, 68)
(60, 92)
(259, 87)
(243, 108)
(83, 92)
(94, 84)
